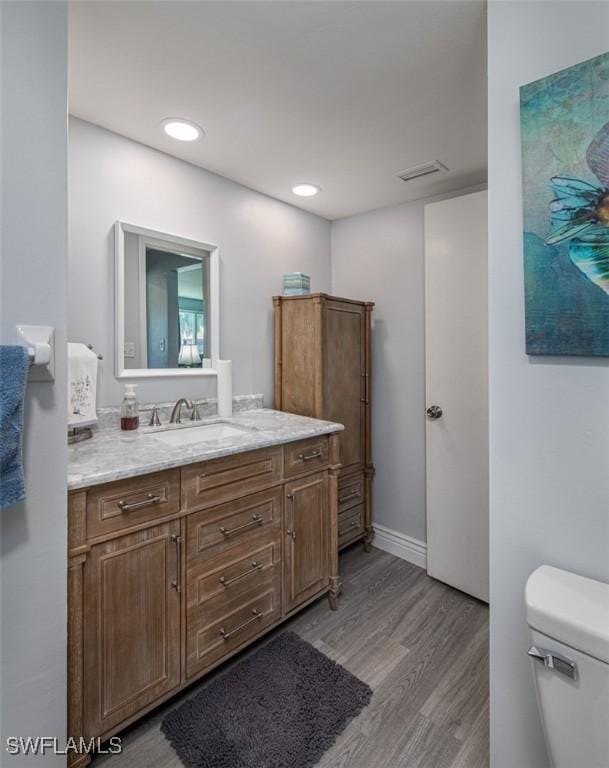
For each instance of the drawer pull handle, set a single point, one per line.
(366, 398)
(256, 520)
(151, 498)
(354, 493)
(290, 531)
(177, 582)
(308, 456)
(256, 617)
(254, 567)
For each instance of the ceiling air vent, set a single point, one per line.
(422, 170)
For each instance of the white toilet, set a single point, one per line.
(568, 618)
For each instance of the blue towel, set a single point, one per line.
(14, 365)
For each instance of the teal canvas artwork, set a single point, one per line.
(565, 165)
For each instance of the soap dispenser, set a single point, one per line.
(129, 409)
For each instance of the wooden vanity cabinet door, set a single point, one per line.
(132, 625)
(307, 539)
(345, 385)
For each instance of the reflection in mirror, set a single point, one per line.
(167, 318)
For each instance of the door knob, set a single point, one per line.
(434, 412)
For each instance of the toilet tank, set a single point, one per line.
(568, 618)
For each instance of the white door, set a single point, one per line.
(456, 331)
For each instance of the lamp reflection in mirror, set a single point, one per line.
(189, 356)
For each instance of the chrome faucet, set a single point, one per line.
(176, 414)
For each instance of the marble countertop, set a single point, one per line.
(113, 455)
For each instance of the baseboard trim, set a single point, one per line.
(400, 545)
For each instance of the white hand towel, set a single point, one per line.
(82, 382)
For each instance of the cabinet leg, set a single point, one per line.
(336, 587)
(368, 540)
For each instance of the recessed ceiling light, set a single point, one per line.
(182, 130)
(304, 189)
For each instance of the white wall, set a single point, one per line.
(260, 239)
(379, 256)
(549, 418)
(33, 290)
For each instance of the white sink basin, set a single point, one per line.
(205, 433)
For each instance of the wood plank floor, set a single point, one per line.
(420, 645)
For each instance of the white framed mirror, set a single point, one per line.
(167, 304)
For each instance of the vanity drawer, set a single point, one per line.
(212, 482)
(350, 492)
(212, 638)
(251, 567)
(305, 456)
(246, 522)
(128, 503)
(350, 525)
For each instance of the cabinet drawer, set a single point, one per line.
(212, 638)
(251, 567)
(127, 503)
(212, 482)
(350, 492)
(213, 531)
(305, 456)
(350, 525)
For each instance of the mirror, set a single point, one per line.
(166, 302)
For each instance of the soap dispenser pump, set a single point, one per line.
(129, 409)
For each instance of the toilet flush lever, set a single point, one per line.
(555, 661)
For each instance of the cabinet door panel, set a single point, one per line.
(307, 533)
(345, 384)
(132, 625)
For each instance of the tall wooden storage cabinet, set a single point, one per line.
(322, 369)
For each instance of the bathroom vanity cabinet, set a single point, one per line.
(172, 572)
(322, 369)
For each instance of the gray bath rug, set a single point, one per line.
(281, 707)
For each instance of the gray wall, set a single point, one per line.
(260, 238)
(549, 438)
(33, 291)
(379, 256)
